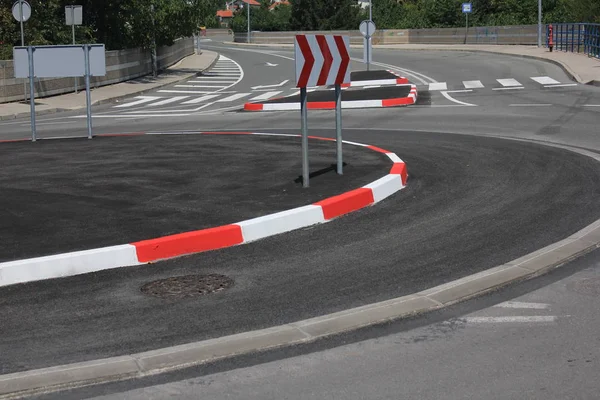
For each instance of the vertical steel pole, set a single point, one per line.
(248, 39)
(22, 43)
(73, 32)
(338, 128)
(369, 35)
(304, 125)
(88, 97)
(466, 26)
(30, 50)
(539, 23)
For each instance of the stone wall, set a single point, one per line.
(121, 65)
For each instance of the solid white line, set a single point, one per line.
(190, 91)
(508, 82)
(266, 96)
(438, 86)
(167, 101)
(459, 91)
(516, 319)
(143, 99)
(473, 84)
(200, 86)
(211, 82)
(561, 85)
(201, 99)
(591, 105)
(529, 105)
(446, 95)
(545, 80)
(520, 304)
(509, 88)
(233, 97)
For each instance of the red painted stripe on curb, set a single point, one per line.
(188, 243)
(321, 138)
(346, 202)
(121, 134)
(402, 81)
(14, 140)
(346, 84)
(226, 133)
(378, 149)
(320, 105)
(397, 102)
(253, 106)
(400, 169)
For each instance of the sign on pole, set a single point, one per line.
(367, 29)
(16, 11)
(321, 60)
(60, 62)
(467, 8)
(73, 16)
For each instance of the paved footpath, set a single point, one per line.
(184, 69)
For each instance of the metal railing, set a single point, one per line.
(576, 38)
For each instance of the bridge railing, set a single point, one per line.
(576, 38)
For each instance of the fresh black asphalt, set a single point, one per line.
(75, 194)
(380, 93)
(472, 203)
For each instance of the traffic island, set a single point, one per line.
(167, 195)
(378, 97)
(376, 77)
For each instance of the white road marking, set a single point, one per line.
(509, 88)
(561, 85)
(514, 319)
(271, 86)
(369, 87)
(545, 80)
(438, 86)
(190, 91)
(167, 101)
(459, 91)
(529, 105)
(265, 96)
(200, 86)
(473, 84)
(201, 99)
(446, 95)
(142, 100)
(509, 82)
(233, 97)
(591, 105)
(519, 304)
(211, 78)
(211, 82)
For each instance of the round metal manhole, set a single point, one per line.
(589, 286)
(180, 287)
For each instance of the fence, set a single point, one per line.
(576, 38)
(121, 65)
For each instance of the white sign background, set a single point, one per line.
(59, 61)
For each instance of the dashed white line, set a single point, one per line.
(167, 101)
(545, 80)
(514, 319)
(265, 96)
(473, 84)
(438, 86)
(510, 82)
(519, 304)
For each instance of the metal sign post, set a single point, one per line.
(74, 16)
(321, 60)
(467, 8)
(21, 11)
(367, 28)
(60, 62)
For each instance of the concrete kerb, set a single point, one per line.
(177, 357)
(115, 98)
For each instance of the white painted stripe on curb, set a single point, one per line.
(284, 221)
(395, 159)
(385, 187)
(67, 264)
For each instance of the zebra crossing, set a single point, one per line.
(500, 84)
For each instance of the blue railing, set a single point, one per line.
(577, 38)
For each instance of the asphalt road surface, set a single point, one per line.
(474, 201)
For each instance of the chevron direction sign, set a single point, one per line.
(322, 60)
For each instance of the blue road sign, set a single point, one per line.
(467, 8)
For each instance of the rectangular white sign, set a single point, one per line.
(74, 13)
(59, 61)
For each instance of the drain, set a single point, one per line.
(589, 286)
(181, 287)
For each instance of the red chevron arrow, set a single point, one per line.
(341, 46)
(309, 61)
(327, 60)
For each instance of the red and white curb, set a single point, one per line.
(330, 105)
(152, 250)
(374, 82)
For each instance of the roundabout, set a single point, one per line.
(480, 211)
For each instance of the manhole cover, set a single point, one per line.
(590, 286)
(179, 287)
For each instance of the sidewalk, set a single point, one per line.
(184, 69)
(579, 67)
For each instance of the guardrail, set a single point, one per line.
(576, 38)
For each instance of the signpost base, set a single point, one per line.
(338, 128)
